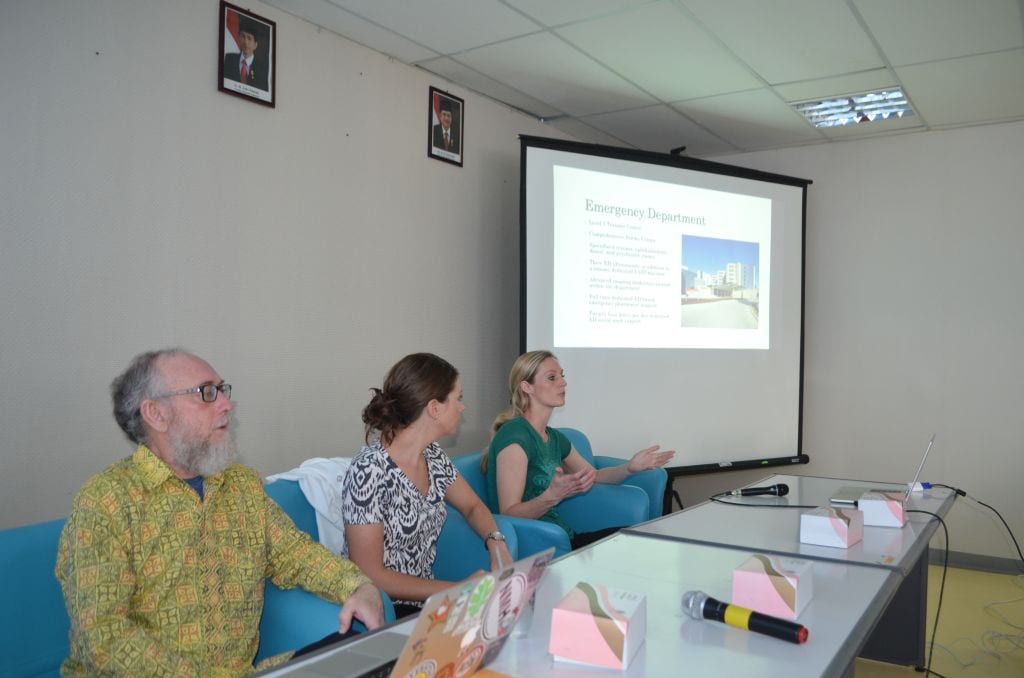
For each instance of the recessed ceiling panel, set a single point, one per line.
(336, 20)
(564, 11)
(659, 128)
(546, 68)
(445, 26)
(584, 132)
(751, 120)
(913, 31)
(968, 90)
(872, 129)
(467, 77)
(843, 84)
(792, 40)
(690, 64)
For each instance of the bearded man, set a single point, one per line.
(164, 556)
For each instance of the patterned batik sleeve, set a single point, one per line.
(297, 560)
(96, 575)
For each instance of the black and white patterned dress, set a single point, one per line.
(378, 492)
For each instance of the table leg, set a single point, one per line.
(898, 637)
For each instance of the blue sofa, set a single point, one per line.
(603, 506)
(652, 482)
(34, 623)
(459, 550)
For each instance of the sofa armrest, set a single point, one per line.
(653, 482)
(536, 535)
(460, 552)
(605, 506)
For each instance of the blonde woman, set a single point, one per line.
(532, 467)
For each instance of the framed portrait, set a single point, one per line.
(247, 56)
(446, 122)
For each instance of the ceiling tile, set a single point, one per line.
(565, 11)
(548, 69)
(913, 31)
(968, 90)
(873, 129)
(445, 26)
(659, 128)
(323, 13)
(843, 84)
(452, 70)
(751, 120)
(690, 64)
(791, 41)
(584, 132)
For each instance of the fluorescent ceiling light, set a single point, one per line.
(883, 104)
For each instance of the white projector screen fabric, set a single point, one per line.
(671, 290)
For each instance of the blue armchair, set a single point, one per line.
(34, 624)
(459, 551)
(652, 482)
(533, 536)
(603, 506)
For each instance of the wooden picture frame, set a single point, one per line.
(445, 127)
(247, 59)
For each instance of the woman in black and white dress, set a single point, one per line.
(395, 489)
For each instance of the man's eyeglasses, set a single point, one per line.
(208, 392)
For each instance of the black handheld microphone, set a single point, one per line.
(700, 605)
(780, 490)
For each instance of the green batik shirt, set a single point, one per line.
(160, 583)
(542, 458)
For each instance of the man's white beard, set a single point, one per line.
(200, 457)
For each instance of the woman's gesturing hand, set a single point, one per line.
(649, 458)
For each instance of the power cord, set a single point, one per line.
(962, 493)
(993, 643)
(717, 499)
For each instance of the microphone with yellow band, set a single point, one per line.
(700, 605)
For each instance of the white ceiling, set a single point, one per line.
(715, 76)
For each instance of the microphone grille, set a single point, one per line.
(693, 604)
(783, 489)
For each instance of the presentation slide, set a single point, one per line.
(671, 291)
(638, 273)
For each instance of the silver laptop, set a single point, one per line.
(462, 627)
(850, 495)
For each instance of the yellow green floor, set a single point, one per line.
(981, 644)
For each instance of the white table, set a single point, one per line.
(847, 602)
(766, 524)
(868, 600)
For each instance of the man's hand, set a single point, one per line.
(365, 605)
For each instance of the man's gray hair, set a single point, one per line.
(140, 381)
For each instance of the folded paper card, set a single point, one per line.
(597, 625)
(838, 527)
(773, 585)
(883, 509)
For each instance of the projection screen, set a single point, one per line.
(671, 290)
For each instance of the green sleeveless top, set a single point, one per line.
(542, 460)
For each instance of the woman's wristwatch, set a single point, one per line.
(496, 536)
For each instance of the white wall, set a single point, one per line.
(124, 226)
(913, 317)
(301, 250)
